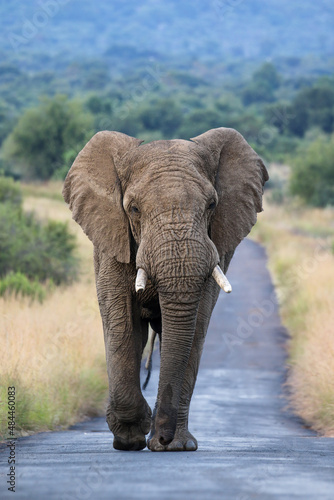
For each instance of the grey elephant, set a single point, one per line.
(165, 219)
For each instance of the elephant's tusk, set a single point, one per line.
(141, 280)
(221, 279)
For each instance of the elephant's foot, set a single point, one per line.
(129, 436)
(183, 441)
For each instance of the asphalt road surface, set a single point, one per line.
(250, 445)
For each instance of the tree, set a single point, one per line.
(312, 107)
(97, 105)
(7, 120)
(312, 175)
(199, 121)
(262, 86)
(267, 74)
(43, 135)
(164, 115)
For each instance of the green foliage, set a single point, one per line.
(96, 105)
(262, 86)
(163, 114)
(43, 135)
(312, 107)
(155, 83)
(41, 252)
(57, 402)
(10, 191)
(7, 119)
(312, 176)
(58, 246)
(191, 81)
(198, 121)
(97, 78)
(18, 284)
(32, 253)
(267, 74)
(278, 115)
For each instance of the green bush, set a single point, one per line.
(39, 251)
(10, 191)
(312, 175)
(32, 253)
(19, 284)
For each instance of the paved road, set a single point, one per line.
(250, 446)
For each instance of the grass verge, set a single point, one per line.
(50, 190)
(53, 352)
(299, 241)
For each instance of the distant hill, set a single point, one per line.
(161, 69)
(216, 30)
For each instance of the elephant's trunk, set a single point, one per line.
(178, 261)
(180, 269)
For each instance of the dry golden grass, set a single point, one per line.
(53, 352)
(300, 249)
(51, 190)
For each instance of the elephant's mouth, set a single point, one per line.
(217, 274)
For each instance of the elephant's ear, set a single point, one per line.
(240, 176)
(93, 190)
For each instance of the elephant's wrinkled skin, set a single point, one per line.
(175, 209)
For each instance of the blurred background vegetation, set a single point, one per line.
(161, 70)
(158, 70)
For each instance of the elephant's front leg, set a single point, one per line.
(179, 313)
(128, 414)
(183, 439)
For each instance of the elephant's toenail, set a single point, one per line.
(191, 446)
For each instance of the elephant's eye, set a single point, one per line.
(134, 209)
(212, 205)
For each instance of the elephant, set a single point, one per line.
(165, 218)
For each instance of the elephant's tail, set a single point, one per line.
(148, 364)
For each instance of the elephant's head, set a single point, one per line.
(197, 197)
(177, 208)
